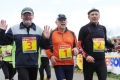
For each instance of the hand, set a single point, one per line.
(0, 59)
(106, 49)
(47, 31)
(118, 50)
(7, 51)
(90, 59)
(75, 51)
(3, 25)
(117, 47)
(52, 59)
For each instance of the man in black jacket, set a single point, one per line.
(92, 40)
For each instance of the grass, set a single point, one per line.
(111, 75)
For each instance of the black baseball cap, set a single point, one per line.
(61, 16)
(27, 9)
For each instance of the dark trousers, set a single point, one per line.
(64, 72)
(99, 67)
(47, 69)
(27, 73)
(8, 70)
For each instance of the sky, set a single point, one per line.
(46, 12)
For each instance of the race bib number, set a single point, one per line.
(65, 52)
(98, 44)
(29, 44)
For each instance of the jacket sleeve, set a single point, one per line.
(75, 44)
(6, 38)
(48, 53)
(81, 38)
(107, 43)
(44, 43)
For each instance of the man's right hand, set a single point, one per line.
(3, 25)
(90, 59)
(52, 59)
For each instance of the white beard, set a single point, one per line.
(27, 23)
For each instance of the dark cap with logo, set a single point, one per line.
(27, 9)
(61, 16)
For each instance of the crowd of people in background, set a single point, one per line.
(114, 40)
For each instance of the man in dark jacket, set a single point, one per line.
(92, 41)
(28, 38)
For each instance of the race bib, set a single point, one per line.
(29, 44)
(65, 52)
(98, 44)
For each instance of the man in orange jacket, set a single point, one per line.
(64, 47)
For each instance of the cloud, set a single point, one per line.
(58, 2)
(13, 19)
(76, 20)
(110, 16)
(91, 1)
(45, 18)
(34, 1)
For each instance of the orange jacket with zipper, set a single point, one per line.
(62, 43)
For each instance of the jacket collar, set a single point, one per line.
(66, 29)
(22, 26)
(93, 24)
